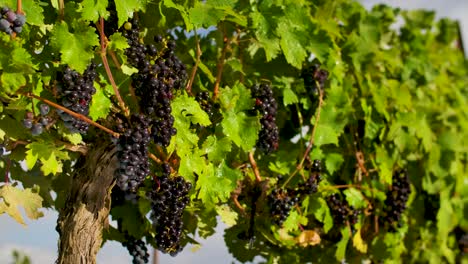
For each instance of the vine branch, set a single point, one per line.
(19, 8)
(70, 112)
(106, 66)
(7, 171)
(220, 65)
(311, 141)
(195, 67)
(254, 167)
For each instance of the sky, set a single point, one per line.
(39, 239)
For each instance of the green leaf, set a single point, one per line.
(14, 197)
(355, 198)
(216, 186)
(333, 162)
(237, 125)
(216, 148)
(291, 44)
(118, 42)
(322, 213)
(91, 10)
(341, 246)
(358, 243)
(49, 155)
(228, 216)
(204, 15)
(100, 105)
(125, 9)
(293, 221)
(76, 48)
(325, 134)
(264, 32)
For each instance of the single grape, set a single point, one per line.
(44, 121)
(5, 10)
(4, 25)
(37, 129)
(17, 29)
(10, 16)
(27, 123)
(44, 109)
(128, 26)
(20, 20)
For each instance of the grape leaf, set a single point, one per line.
(264, 31)
(217, 185)
(358, 243)
(216, 148)
(293, 221)
(341, 246)
(91, 10)
(291, 44)
(228, 216)
(125, 9)
(237, 125)
(118, 42)
(49, 155)
(76, 48)
(100, 105)
(355, 198)
(13, 197)
(322, 213)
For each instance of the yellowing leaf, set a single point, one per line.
(358, 243)
(308, 238)
(12, 197)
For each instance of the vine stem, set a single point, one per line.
(220, 65)
(19, 8)
(106, 66)
(188, 88)
(7, 171)
(254, 167)
(70, 112)
(153, 157)
(311, 141)
(61, 5)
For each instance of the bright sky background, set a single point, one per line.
(39, 239)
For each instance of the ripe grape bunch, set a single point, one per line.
(341, 211)
(312, 183)
(159, 72)
(206, 103)
(76, 92)
(132, 147)
(168, 199)
(11, 22)
(265, 104)
(395, 203)
(36, 125)
(280, 202)
(314, 78)
(137, 249)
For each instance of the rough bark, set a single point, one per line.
(85, 214)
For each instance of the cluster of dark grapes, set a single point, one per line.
(159, 72)
(397, 196)
(132, 147)
(265, 103)
(76, 92)
(137, 249)
(280, 202)
(168, 199)
(312, 183)
(11, 22)
(341, 211)
(36, 125)
(206, 103)
(314, 79)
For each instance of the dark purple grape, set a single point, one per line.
(10, 16)
(27, 123)
(4, 25)
(265, 104)
(44, 109)
(37, 129)
(20, 20)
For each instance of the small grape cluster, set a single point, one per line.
(206, 103)
(169, 199)
(11, 22)
(132, 147)
(395, 203)
(280, 203)
(265, 104)
(341, 211)
(137, 249)
(314, 78)
(159, 72)
(76, 92)
(36, 125)
(311, 185)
